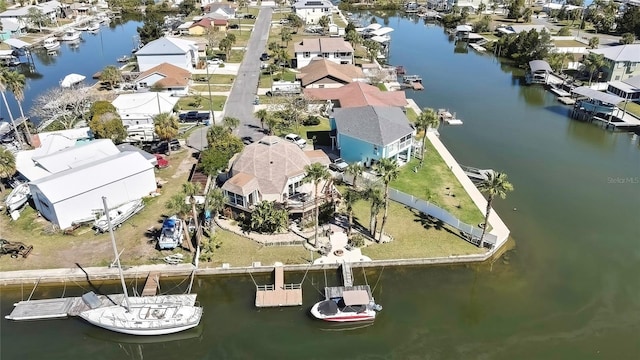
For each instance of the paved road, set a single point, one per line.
(240, 101)
(605, 40)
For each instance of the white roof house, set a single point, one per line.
(310, 11)
(140, 108)
(333, 49)
(622, 61)
(76, 193)
(179, 52)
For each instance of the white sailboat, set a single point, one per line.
(118, 215)
(149, 315)
(18, 197)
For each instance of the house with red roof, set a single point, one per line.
(168, 77)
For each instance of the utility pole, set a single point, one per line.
(206, 65)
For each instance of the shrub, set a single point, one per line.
(357, 240)
(311, 121)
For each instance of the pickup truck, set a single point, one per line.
(194, 116)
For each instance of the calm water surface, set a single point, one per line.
(569, 290)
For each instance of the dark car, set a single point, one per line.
(264, 57)
(194, 116)
(234, 26)
(249, 16)
(163, 146)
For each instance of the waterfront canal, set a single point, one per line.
(569, 290)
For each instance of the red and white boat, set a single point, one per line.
(353, 306)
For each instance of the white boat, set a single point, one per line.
(124, 59)
(118, 215)
(353, 306)
(51, 43)
(144, 316)
(475, 174)
(72, 80)
(70, 35)
(18, 197)
(93, 26)
(171, 233)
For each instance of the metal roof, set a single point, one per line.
(382, 31)
(620, 53)
(378, 125)
(598, 95)
(539, 65)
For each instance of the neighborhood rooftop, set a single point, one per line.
(379, 125)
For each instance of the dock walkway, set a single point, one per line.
(152, 284)
(56, 308)
(278, 294)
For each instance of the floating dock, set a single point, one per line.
(278, 294)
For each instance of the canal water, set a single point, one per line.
(91, 55)
(569, 289)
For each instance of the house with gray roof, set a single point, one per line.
(51, 9)
(334, 49)
(178, 52)
(622, 61)
(628, 89)
(367, 134)
(310, 11)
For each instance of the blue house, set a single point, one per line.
(369, 133)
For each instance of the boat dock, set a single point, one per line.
(413, 81)
(152, 284)
(448, 118)
(334, 292)
(278, 294)
(59, 308)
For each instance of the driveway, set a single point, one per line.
(240, 101)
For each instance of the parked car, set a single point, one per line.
(194, 116)
(284, 21)
(264, 57)
(163, 146)
(296, 139)
(234, 26)
(338, 165)
(214, 61)
(161, 161)
(249, 16)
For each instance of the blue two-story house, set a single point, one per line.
(367, 134)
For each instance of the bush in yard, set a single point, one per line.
(311, 121)
(357, 240)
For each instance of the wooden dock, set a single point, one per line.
(416, 85)
(152, 284)
(347, 274)
(335, 292)
(56, 308)
(278, 294)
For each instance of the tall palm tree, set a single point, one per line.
(593, 63)
(316, 173)
(495, 185)
(7, 165)
(356, 169)
(262, 116)
(375, 194)
(427, 119)
(350, 197)
(389, 171)
(166, 127)
(231, 122)
(191, 189)
(16, 83)
(3, 89)
(272, 122)
(214, 201)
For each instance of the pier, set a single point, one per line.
(334, 292)
(278, 294)
(58, 308)
(152, 284)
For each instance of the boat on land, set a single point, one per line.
(118, 215)
(70, 35)
(171, 233)
(18, 197)
(51, 44)
(142, 316)
(475, 174)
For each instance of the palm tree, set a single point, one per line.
(389, 171)
(272, 122)
(356, 169)
(3, 88)
(215, 201)
(594, 62)
(16, 83)
(427, 119)
(166, 126)
(285, 36)
(350, 197)
(495, 185)
(7, 165)
(594, 42)
(262, 116)
(191, 189)
(316, 173)
(231, 122)
(374, 193)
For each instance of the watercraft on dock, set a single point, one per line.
(171, 233)
(448, 118)
(51, 44)
(118, 215)
(70, 35)
(124, 59)
(475, 174)
(93, 26)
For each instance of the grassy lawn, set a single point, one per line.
(221, 79)
(214, 88)
(436, 183)
(414, 236)
(242, 36)
(338, 21)
(411, 114)
(267, 79)
(191, 102)
(239, 251)
(632, 108)
(235, 56)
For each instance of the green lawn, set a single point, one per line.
(436, 183)
(632, 108)
(411, 114)
(191, 102)
(242, 36)
(221, 79)
(214, 88)
(267, 79)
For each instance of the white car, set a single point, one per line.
(296, 139)
(214, 62)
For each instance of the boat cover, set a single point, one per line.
(71, 80)
(328, 307)
(355, 297)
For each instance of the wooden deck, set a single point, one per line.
(56, 308)
(152, 284)
(278, 294)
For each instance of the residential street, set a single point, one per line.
(240, 101)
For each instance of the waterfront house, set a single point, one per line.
(322, 73)
(76, 193)
(333, 49)
(11, 28)
(179, 52)
(273, 169)
(628, 89)
(367, 134)
(622, 61)
(200, 27)
(140, 108)
(357, 94)
(219, 10)
(310, 11)
(170, 78)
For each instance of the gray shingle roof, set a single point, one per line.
(379, 125)
(166, 46)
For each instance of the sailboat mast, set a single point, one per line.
(115, 251)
